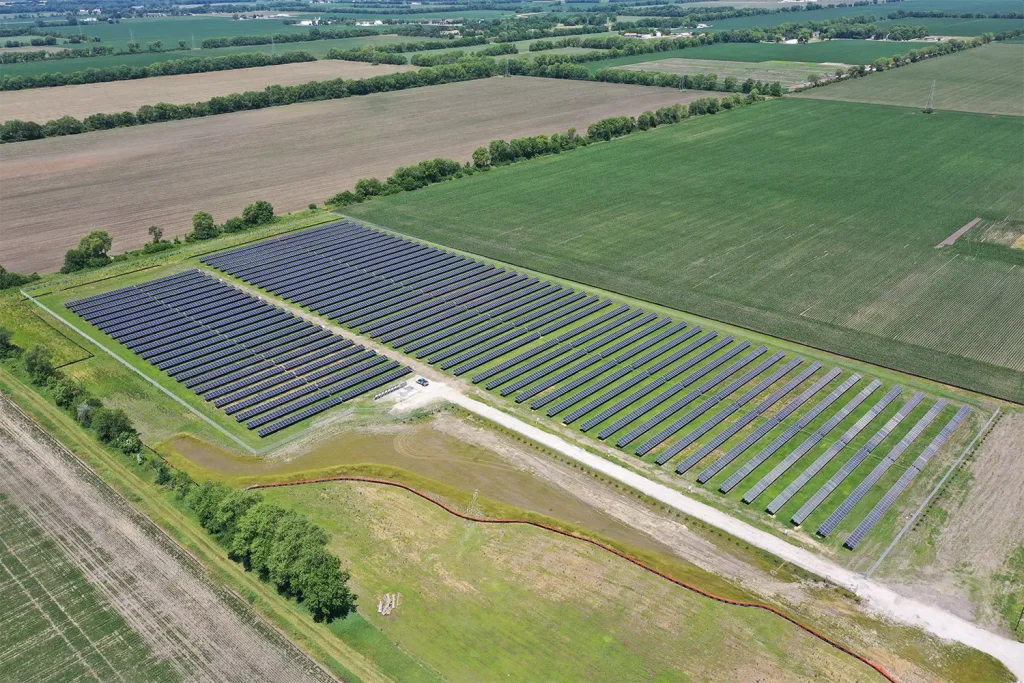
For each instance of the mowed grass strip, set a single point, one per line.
(128, 179)
(987, 79)
(481, 602)
(748, 217)
(80, 101)
(839, 51)
(790, 74)
(54, 624)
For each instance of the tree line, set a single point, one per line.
(93, 250)
(281, 546)
(467, 67)
(44, 55)
(173, 67)
(690, 81)
(502, 153)
(16, 130)
(453, 56)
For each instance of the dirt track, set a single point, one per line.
(44, 104)
(53, 191)
(203, 631)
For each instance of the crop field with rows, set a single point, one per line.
(835, 255)
(986, 80)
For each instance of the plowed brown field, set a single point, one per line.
(53, 191)
(44, 104)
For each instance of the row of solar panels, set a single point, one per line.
(267, 367)
(577, 356)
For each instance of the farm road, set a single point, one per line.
(204, 632)
(879, 598)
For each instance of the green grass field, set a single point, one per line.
(838, 256)
(318, 48)
(488, 603)
(54, 624)
(988, 80)
(842, 51)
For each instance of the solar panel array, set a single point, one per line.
(267, 367)
(887, 501)
(666, 390)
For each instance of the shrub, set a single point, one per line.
(258, 213)
(235, 224)
(203, 227)
(110, 424)
(9, 279)
(369, 187)
(38, 363)
(92, 252)
(6, 347)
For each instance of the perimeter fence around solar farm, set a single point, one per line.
(636, 379)
(261, 364)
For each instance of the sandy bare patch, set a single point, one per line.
(44, 104)
(951, 240)
(53, 191)
(205, 632)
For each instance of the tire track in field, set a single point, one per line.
(204, 632)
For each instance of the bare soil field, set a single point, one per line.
(53, 191)
(959, 555)
(193, 629)
(44, 104)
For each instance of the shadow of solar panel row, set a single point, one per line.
(854, 462)
(757, 411)
(668, 411)
(840, 513)
(889, 499)
(810, 442)
(781, 440)
(231, 348)
(731, 409)
(714, 399)
(621, 405)
(832, 451)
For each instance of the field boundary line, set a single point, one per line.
(568, 534)
(931, 496)
(122, 361)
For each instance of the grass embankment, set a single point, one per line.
(781, 238)
(986, 80)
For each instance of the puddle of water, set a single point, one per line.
(428, 452)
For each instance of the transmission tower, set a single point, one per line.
(506, 67)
